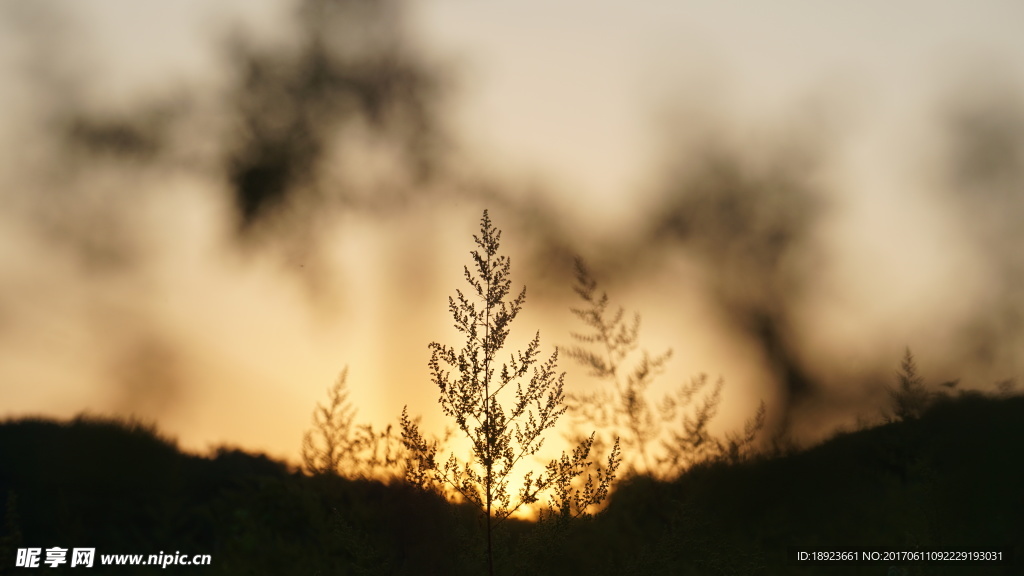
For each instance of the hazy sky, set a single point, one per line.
(589, 106)
(544, 77)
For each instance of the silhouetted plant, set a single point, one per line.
(691, 442)
(337, 445)
(332, 426)
(739, 446)
(910, 398)
(380, 452)
(625, 410)
(502, 433)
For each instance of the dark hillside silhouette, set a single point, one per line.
(951, 477)
(119, 487)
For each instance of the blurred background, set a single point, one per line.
(210, 209)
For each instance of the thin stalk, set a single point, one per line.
(489, 458)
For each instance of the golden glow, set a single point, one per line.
(243, 345)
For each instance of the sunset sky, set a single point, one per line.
(596, 128)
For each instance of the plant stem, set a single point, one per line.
(489, 459)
